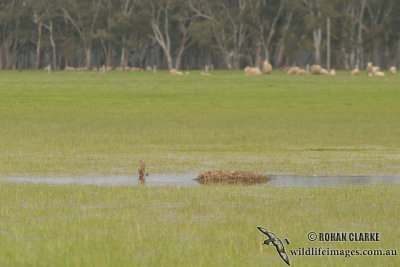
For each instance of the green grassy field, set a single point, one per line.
(92, 124)
(79, 124)
(202, 226)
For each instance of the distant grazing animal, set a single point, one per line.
(266, 68)
(356, 71)
(324, 72)
(175, 72)
(316, 69)
(252, 71)
(393, 70)
(293, 70)
(48, 68)
(379, 73)
(370, 69)
(302, 72)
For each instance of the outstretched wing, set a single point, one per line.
(284, 257)
(280, 248)
(266, 232)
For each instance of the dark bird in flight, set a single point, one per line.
(273, 240)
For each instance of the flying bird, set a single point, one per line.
(273, 240)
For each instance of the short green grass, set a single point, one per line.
(42, 225)
(80, 124)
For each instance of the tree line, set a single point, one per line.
(191, 34)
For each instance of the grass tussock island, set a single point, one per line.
(232, 177)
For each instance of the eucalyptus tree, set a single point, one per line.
(125, 25)
(15, 26)
(171, 22)
(160, 24)
(378, 13)
(227, 24)
(262, 17)
(83, 15)
(45, 12)
(6, 26)
(315, 16)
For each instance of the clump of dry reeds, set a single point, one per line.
(231, 177)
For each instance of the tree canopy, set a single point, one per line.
(190, 34)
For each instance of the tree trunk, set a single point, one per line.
(236, 59)
(181, 48)
(179, 57)
(109, 56)
(8, 57)
(266, 53)
(258, 54)
(360, 50)
(169, 60)
(88, 52)
(282, 40)
(37, 60)
(123, 53)
(14, 54)
(317, 36)
(122, 61)
(328, 45)
(398, 54)
(281, 53)
(1, 58)
(227, 60)
(53, 46)
(353, 62)
(345, 57)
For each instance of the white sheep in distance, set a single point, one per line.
(252, 71)
(175, 72)
(302, 72)
(393, 70)
(316, 69)
(370, 69)
(379, 73)
(293, 70)
(324, 72)
(48, 69)
(356, 71)
(266, 68)
(374, 70)
(332, 72)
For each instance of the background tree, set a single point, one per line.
(195, 33)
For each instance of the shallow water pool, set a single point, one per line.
(187, 180)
